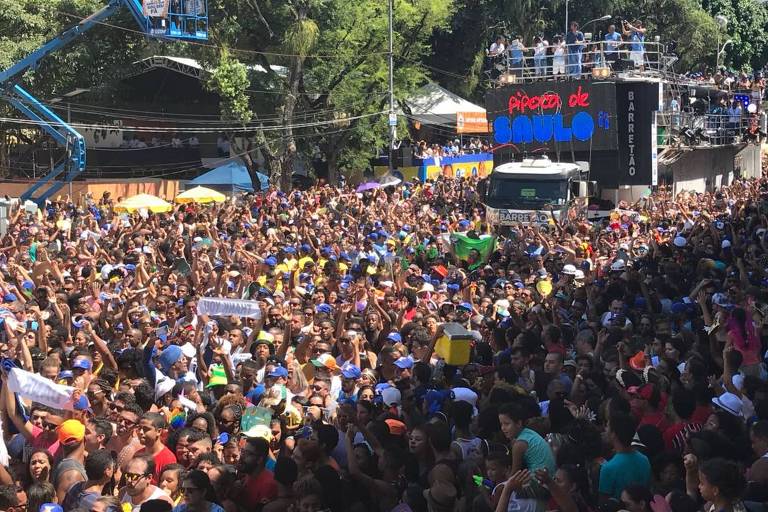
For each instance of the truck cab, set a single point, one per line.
(515, 191)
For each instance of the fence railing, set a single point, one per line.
(692, 129)
(599, 59)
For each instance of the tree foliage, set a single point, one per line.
(747, 25)
(334, 88)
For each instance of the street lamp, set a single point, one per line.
(722, 22)
(601, 18)
(720, 52)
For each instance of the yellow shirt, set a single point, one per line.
(303, 261)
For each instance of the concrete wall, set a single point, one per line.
(165, 189)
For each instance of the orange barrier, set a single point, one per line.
(166, 189)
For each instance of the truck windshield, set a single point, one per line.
(526, 193)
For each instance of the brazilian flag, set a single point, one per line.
(475, 251)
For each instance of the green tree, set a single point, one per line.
(332, 87)
(747, 25)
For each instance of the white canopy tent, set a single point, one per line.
(433, 105)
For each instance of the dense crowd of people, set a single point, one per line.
(333, 350)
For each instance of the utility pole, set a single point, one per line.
(392, 115)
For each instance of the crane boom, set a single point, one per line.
(185, 19)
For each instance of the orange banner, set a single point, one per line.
(471, 122)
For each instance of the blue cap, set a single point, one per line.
(373, 236)
(170, 355)
(410, 250)
(81, 363)
(519, 284)
(325, 250)
(50, 507)
(255, 394)
(404, 363)
(278, 372)
(290, 250)
(463, 223)
(381, 387)
(65, 374)
(345, 256)
(130, 267)
(271, 261)
(27, 284)
(394, 337)
(350, 371)
(305, 248)
(82, 404)
(9, 297)
(324, 308)
(453, 287)
(466, 305)
(406, 228)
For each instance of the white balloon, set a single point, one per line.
(752, 108)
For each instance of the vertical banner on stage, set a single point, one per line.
(156, 8)
(636, 106)
(654, 151)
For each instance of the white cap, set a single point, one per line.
(618, 265)
(426, 287)
(725, 244)
(390, 396)
(188, 350)
(569, 270)
(729, 403)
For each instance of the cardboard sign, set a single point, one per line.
(156, 8)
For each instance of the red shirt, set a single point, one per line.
(162, 459)
(259, 489)
(39, 441)
(657, 419)
(676, 434)
(701, 414)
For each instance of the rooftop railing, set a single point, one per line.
(595, 59)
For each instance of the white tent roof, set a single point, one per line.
(434, 105)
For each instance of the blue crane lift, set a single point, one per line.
(184, 20)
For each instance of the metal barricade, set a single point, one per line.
(519, 64)
(692, 129)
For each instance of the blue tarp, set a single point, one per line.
(233, 175)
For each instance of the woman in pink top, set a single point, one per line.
(743, 337)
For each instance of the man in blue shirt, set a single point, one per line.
(612, 45)
(516, 56)
(636, 34)
(575, 43)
